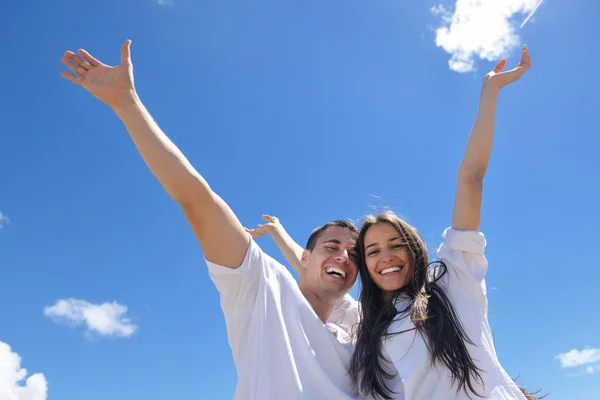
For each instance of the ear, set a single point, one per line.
(304, 258)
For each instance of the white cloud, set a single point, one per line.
(480, 28)
(575, 358)
(3, 220)
(12, 375)
(165, 2)
(106, 319)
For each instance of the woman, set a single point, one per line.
(430, 323)
(424, 332)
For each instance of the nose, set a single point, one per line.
(386, 256)
(343, 257)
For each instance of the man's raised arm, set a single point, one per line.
(221, 236)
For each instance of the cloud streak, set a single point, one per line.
(106, 319)
(531, 14)
(483, 29)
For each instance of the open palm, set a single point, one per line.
(109, 84)
(264, 229)
(500, 79)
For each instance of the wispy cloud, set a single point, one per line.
(575, 358)
(106, 319)
(3, 220)
(586, 361)
(480, 28)
(12, 375)
(165, 2)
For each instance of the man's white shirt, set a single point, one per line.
(281, 349)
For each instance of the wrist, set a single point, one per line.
(275, 229)
(127, 102)
(490, 89)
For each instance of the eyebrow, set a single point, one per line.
(389, 240)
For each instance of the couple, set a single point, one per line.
(422, 332)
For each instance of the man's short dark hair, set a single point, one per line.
(316, 234)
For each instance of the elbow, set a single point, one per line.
(471, 175)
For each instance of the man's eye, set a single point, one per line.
(330, 248)
(353, 255)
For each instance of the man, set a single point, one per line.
(345, 312)
(276, 328)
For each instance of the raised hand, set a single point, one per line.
(264, 229)
(498, 79)
(112, 85)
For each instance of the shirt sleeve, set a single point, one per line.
(239, 289)
(463, 254)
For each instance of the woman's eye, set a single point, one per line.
(397, 246)
(372, 253)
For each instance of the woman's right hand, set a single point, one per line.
(497, 79)
(265, 229)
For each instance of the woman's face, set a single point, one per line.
(387, 258)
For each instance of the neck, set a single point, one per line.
(322, 308)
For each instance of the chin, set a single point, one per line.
(392, 288)
(338, 290)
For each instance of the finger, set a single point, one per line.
(500, 66)
(126, 53)
(526, 57)
(89, 58)
(522, 59)
(268, 218)
(69, 62)
(73, 78)
(78, 60)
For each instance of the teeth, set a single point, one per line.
(391, 269)
(336, 271)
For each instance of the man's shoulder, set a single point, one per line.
(255, 261)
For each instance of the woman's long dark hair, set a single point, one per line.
(429, 309)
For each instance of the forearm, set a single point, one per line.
(291, 250)
(469, 188)
(216, 227)
(479, 146)
(175, 173)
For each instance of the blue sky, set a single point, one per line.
(309, 111)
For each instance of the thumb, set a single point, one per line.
(268, 218)
(126, 53)
(500, 66)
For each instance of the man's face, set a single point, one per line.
(330, 268)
